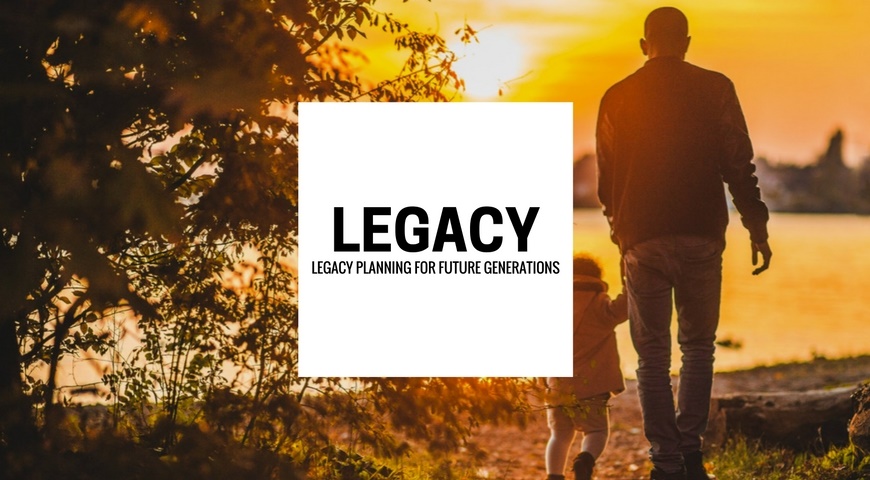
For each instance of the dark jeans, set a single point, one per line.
(687, 269)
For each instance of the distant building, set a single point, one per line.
(586, 182)
(827, 186)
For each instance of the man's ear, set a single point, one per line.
(644, 47)
(688, 41)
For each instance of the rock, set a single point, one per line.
(859, 426)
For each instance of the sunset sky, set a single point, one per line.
(801, 67)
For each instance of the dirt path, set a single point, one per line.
(518, 454)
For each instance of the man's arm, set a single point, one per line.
(604, 153)
(738, 172)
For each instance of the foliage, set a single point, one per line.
(149, 170)
(199, 454)
(743, 459)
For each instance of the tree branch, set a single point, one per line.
(189, 173)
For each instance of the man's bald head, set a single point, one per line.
(666, 32)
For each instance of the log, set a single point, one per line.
(799, 420)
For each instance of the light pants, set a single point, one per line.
(685, 271)
(590, 417)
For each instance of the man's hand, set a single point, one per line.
(764, 249)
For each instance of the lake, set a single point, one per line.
(813, 301)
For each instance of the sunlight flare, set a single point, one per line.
(490, 64)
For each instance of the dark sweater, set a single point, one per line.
(667, 137)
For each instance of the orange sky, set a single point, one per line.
(800, 66)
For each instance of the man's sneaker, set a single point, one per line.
(583, 464)
(657, 474)
(695, 469)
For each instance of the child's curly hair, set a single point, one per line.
(585, 264)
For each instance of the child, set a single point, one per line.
(580, 403)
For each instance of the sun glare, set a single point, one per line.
(489, 65)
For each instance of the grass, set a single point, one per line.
(743, 459)
(416, 464)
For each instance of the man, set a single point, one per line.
(667, 137)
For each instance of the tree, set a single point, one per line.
(149, 148)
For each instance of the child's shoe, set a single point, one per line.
(584, 462)
(695, 467)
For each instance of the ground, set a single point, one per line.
(516, 453)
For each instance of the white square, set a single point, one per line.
(449, 160)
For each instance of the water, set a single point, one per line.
(814, 300)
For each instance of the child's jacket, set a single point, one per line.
(596, 359)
